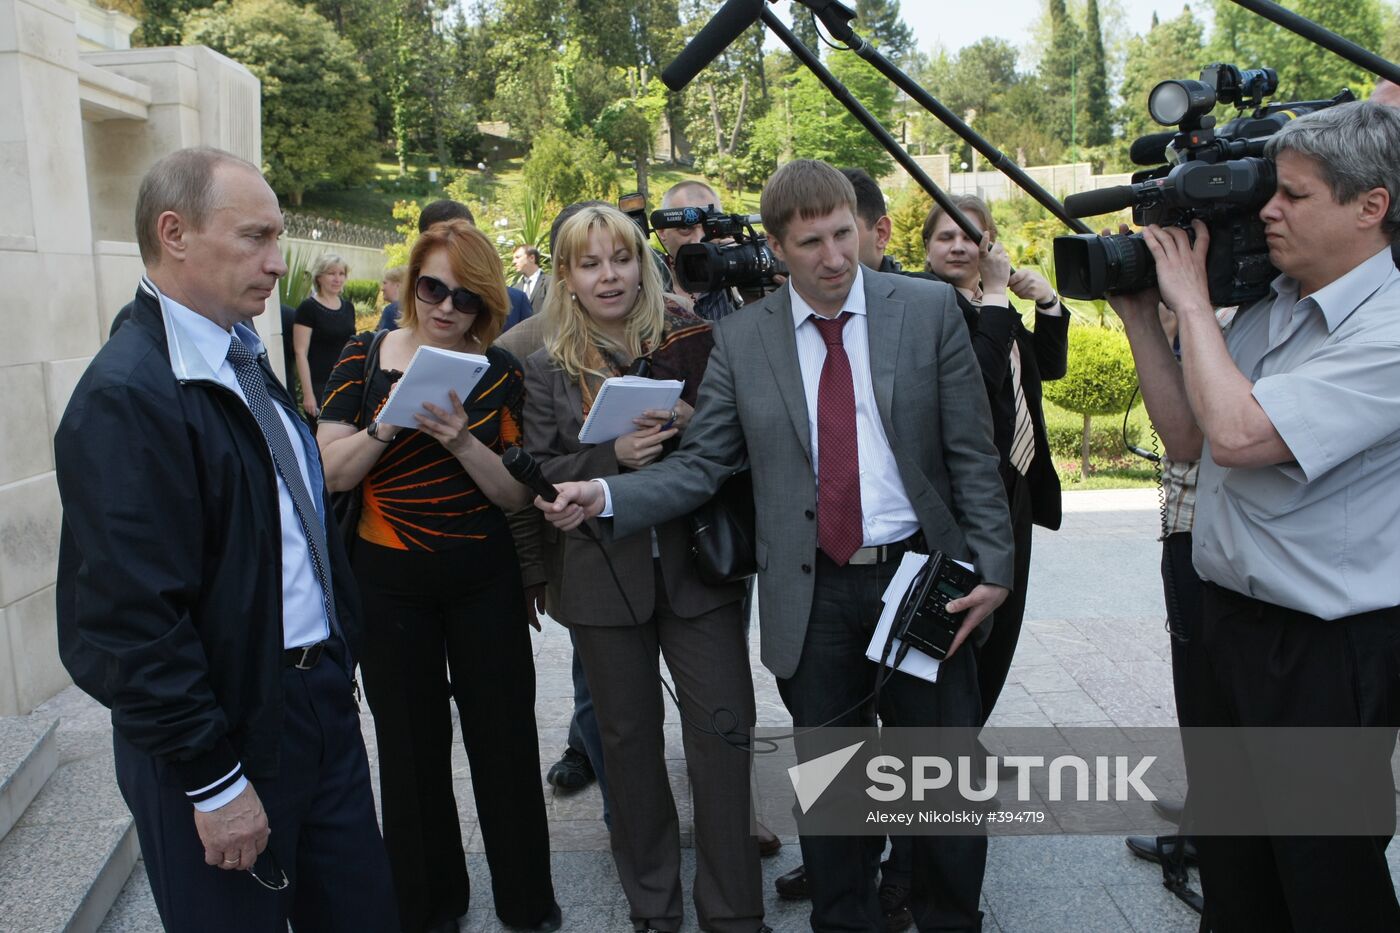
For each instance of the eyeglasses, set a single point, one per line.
(433, 291)
(267, 865)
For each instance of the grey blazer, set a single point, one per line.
(581, 590)
(752, 409)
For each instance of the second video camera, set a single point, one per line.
(1217, 176)
(732, 255)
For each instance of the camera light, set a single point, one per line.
(1174, 102)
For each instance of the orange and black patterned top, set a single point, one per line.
(418, 497)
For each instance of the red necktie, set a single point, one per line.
(839, 521)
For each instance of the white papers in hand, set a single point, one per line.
(621, 400)
(915, 662)
(430, 375)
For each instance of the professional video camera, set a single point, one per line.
(1218, 176)
(745, 263)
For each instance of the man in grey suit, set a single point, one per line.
(867, 383)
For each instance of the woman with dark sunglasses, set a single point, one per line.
(443, 601)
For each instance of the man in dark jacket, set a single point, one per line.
(200, 595)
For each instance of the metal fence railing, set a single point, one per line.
(311, 227)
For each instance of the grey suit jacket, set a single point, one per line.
(581, 590)
(752, 409)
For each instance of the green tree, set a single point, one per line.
(1100, 379)
(1061, 78)
(880, 20)
(804, 27)
(1097, 126)
(1173, 49)
(565, 167)
(316, 120)
(805, 121)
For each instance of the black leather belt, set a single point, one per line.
(879, 553)
(305, 657)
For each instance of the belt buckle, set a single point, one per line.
(310, 654)
(865, 557)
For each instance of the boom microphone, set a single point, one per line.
(522, 466)
(726, 26)
(1151, 149)
(1101, 201)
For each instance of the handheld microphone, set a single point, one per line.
(726, 26)
(1100, 201)
(522, 466)
(1151, 149)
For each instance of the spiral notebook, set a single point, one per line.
(621, 400)
(429, 376)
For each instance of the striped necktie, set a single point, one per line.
(1023, 440)
(250, 379)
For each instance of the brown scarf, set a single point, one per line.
(682, 352)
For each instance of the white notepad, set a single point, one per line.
(621, 400)
(430, 375)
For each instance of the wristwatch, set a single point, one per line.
(373, 431)
(1048, 304)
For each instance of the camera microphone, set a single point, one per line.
(726, 26)
(1100, 201)
(522, 466)
(1151, 150)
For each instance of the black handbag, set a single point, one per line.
(347, 506)
(722, 533)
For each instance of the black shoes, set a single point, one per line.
(768, 843)
(894, 901)
(793, 885)
(1159, 848)
(573, 771)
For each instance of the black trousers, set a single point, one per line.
(994, 656)
(1255, 664)
(442, 627)
(832, 675)
(319, 808)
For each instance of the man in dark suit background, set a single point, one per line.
(865, 383)
(199, 594)
(529, 277)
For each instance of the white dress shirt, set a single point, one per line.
(887, 515)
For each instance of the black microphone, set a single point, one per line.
(522, 466)
(726, 26)
(1101, 201)
(1151, 149)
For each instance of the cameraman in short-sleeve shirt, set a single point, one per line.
(1297, 416)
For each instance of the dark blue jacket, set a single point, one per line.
(169, 596)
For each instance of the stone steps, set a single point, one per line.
(28, 755)
(71, 843)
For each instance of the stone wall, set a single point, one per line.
(77, 131)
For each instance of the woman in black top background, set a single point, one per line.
(324, 321)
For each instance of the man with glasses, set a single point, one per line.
(203, 594)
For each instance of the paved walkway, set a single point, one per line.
(1093, 652)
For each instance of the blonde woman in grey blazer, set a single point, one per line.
(606, 309)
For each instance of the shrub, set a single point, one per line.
(363, 292)
(1100, 379)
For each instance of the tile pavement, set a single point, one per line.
(1093, 653)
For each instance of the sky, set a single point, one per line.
(959, 24)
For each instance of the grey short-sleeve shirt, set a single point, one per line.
(1320, 534)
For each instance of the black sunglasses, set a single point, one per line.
(433, 291)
